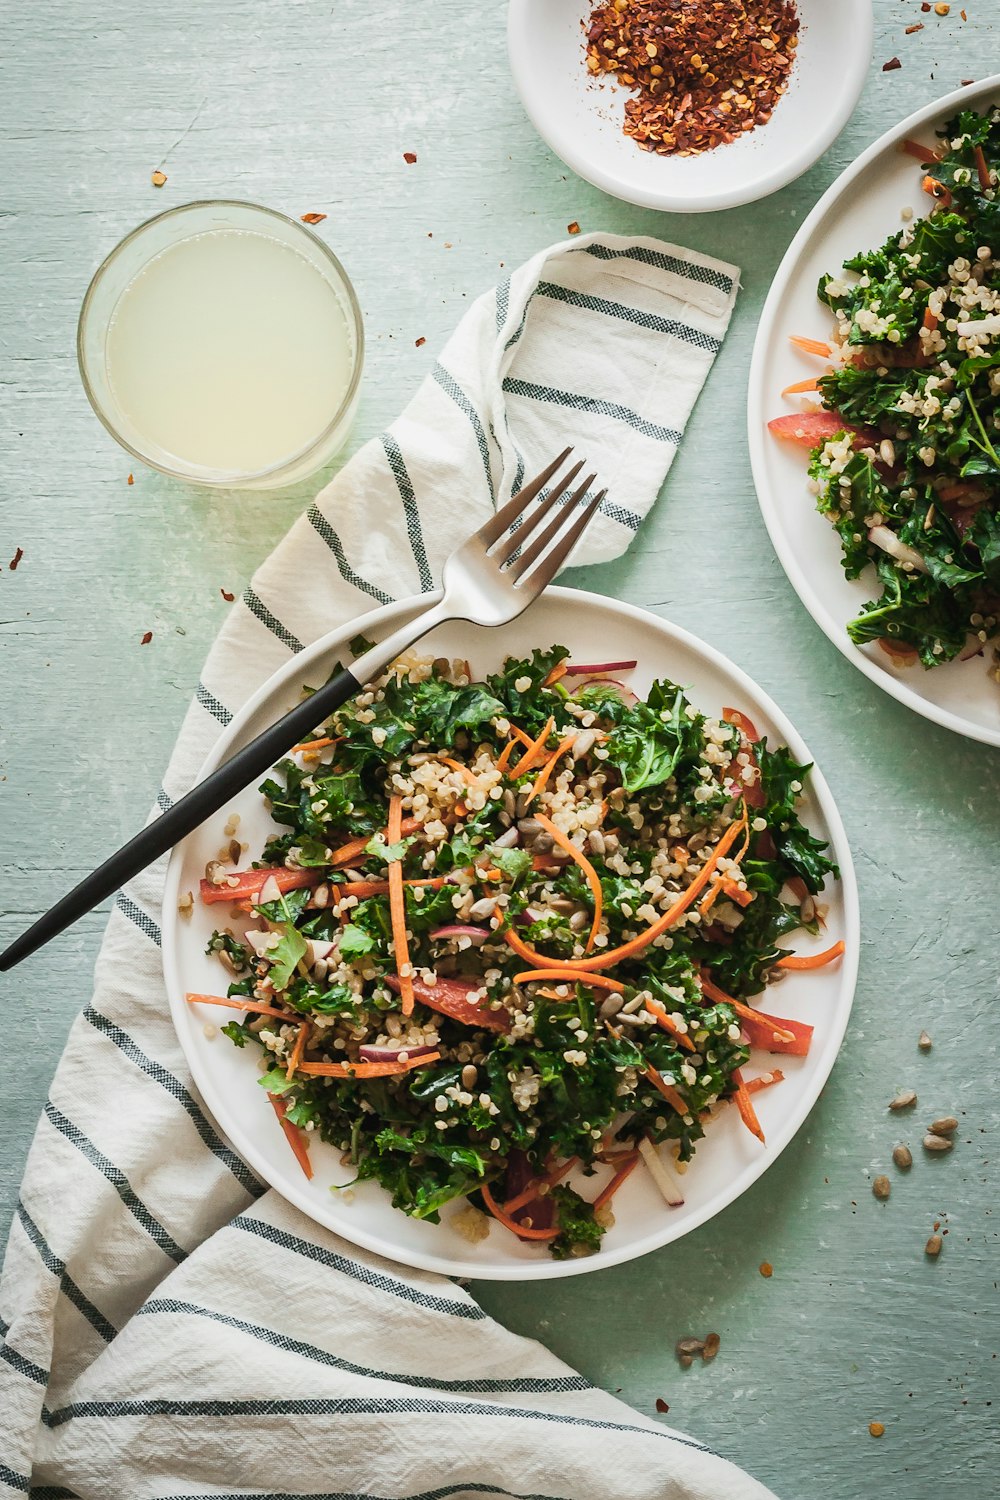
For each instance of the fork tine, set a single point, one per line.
(550, 564)
(511, 544)
(520, 565)
(505, 517)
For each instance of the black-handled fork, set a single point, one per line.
(489, 580)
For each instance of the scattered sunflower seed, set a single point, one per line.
(934, 1245)
(947, 1125)
(881, 1187)
(924, 1042)
(903, 1157)
(711, 1348)
(938, 1143)
(903, 1100)
(687, 1348)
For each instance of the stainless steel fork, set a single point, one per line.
(489, 580)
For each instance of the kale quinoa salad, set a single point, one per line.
(905, 448)
(509, 930)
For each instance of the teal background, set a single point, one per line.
(309, 107)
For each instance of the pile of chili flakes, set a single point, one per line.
(703, 71)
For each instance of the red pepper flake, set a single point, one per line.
(312, 218)
(158, 178)
(891, 65)
(702, 74)
(146, 638)
(419, 343)
(964, 82)
(409, 157)
(573, 228)
(911, 29)
(227, 595)
(661, 1405)
(131, 479)
(963, 15)
(925, 7)
(766, 1269)
(16, 559)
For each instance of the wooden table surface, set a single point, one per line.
(307, 106)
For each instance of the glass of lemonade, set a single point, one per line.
(222, 343)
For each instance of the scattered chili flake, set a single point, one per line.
(16, 559)
(876, 1429)
(891, 65)
(158, 178)
(702, 74)
(919, 26)
(766, 1269)
(573, 228)
(966, 81)
(313, 218)
(963, 15)
(925, 7)
(146, 638)
(409, 157)
(661, 1405)
(419, 343)
(131, 479)
(227, 595)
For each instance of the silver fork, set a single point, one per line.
(489, 580)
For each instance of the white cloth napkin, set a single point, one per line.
(170, 1328)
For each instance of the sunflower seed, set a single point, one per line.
(947, 1125)
(937, 1143)
(470, 1076)
(321, 895)
(482, 908)
(509, 802)
(881, 1187)
(934, 1245)
(584, 743)
(689, 1347)
(903, 1157)
(924, 1042)
(611, 1007)
(903, 1100)
(711, 1348)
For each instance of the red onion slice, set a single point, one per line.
(459, 930)
(600, 669)
(624, 693)
(391, 1054)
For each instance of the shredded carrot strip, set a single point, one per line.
(606, 1194)
(930, 320)
(536, 749)
(982, 168)
(612, 956)
(663, 1020)
(512, 1224)
(316, 744)
(558, 671)
(758, 1019)
(292, 1134)
(541, 780)
(919, 152)
(235, 1002)
(456, 765)
(801, 385)
(937, 190)
(298, 1049)
(593, 879)
(743, 1103)
(669, 1093)
(348, 853)
(397, 909)
(811, 346)
(811, 960)
(754, 1085)
(596, 981)
(367, 1069)
(531, 1189)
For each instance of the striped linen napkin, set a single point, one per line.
(172, 1329)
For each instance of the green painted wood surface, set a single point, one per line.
(309, 107)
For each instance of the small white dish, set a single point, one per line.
(581, 119)
(726, 1162)
(860, 210)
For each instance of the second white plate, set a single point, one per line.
(860, 210)
(725, 1163)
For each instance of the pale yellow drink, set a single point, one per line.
(229, 351)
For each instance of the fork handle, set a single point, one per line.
(208, 796)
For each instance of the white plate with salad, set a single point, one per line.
(882, 400)
(499, 944)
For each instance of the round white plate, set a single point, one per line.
(726, 1162)
(859, 211)
(581, 119)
